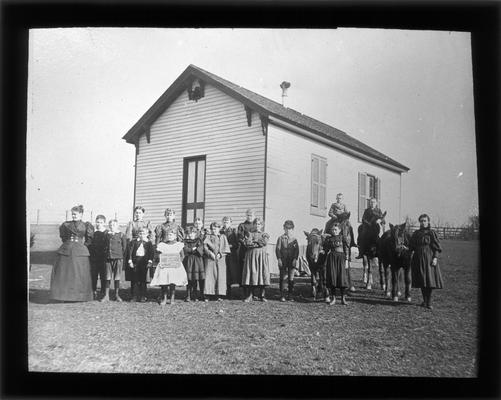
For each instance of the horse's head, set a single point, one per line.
(343, 217)
(379, 227)
(315, 241)
(400, 238)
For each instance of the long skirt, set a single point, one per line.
(194, 266)
(424, 275)
(169, 276)
(215, 276)
(336, 275)
(71, 279)
(256, 271)
(233, 269)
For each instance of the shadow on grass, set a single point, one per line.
(43, 257)
(380, 301)
(39, 296)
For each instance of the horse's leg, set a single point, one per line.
(369, 273)
(400, 272)
(407, 277)
(387, 277)
(394, 281)
(350, 279)
(365, 268)
(313, 283)
(382, 283)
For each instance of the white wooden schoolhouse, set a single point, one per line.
(209, 148)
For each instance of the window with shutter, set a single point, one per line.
(362, 196)
(378, 191)
(369, 186)
(318, 204)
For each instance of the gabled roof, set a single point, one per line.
(257, 103)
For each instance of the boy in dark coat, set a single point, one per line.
(140, 254)
(97, 254)
(287, 252)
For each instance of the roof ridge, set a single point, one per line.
(272, 107)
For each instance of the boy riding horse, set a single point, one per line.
(372, 215)
(340, 214)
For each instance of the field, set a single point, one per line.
(372, 336)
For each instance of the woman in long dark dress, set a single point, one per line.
(71, 276)
(336, 264)
(425, 270)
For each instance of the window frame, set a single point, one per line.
(321, 187)
(196, 205)
(365, 198)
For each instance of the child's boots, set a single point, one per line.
(282, 291)
(106, 296)
(172, 294)
(343, 297)
(189, 290)
(117, 295)
(290, 294)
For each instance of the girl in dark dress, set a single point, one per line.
(336, 264)
(133, 227)
(194, 263)
(256, 270)
(425, 270)
(234, 272)
(170, 224)
(71, 276)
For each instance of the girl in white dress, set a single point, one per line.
(170, 270)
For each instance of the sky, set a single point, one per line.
(408, 94)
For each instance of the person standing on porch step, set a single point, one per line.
(116, 251)
(287, 252)
(170, 224)
(216, 248)
(426, 274)
(256, 271)
(71, 276)
(234, 273)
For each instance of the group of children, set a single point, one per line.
(207, 261)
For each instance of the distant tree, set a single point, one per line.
(410, 221)
(474, 222)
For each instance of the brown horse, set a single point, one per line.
(344, 224)
(316, 261)
(368, 237)
(395, 253)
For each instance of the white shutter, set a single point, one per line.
(378, 191)
(315, 172)
(322, 184)
(362, 194)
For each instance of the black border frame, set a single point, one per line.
(482, 19)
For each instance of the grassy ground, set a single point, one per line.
(370, 336)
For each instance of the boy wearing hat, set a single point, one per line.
(287, 252)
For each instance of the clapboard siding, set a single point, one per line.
(289, 183)
(215, 126)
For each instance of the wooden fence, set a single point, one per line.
(450, 233)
